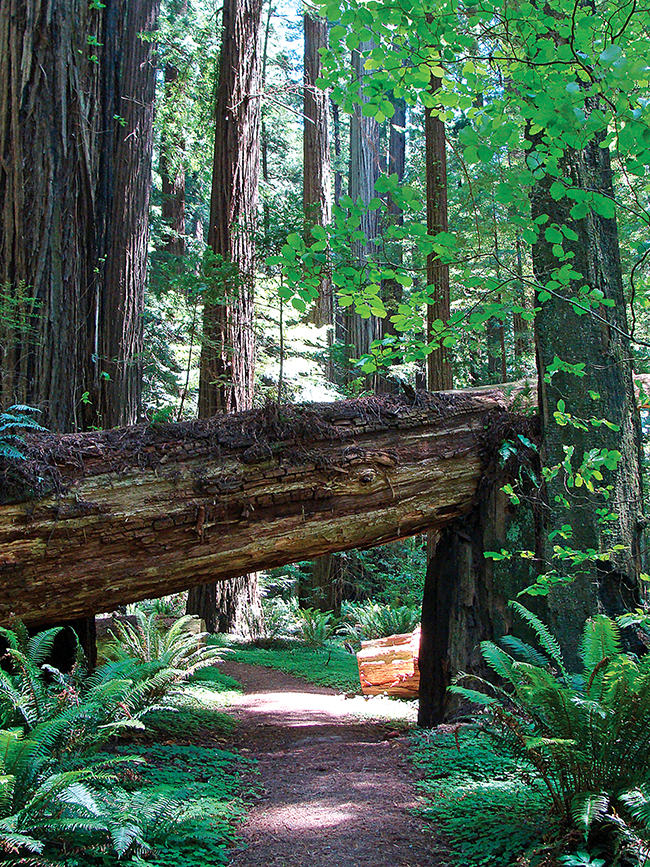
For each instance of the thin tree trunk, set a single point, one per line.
(316, 190)
(172, 174)
(439, 373)
(392, 290)
(434, 637)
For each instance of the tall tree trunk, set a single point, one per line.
(365, 168)
(316, 189)
(172, 175)
(129, 87)
(227, 354)
(338, 176)
(391, 289)
(519, 324)
(598, 340)
(434, 639)
(48, 170)
(74, 209)
(439, 373)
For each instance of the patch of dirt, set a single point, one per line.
(336, 791)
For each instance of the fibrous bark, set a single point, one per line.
(227, 355)
(597, 339)
(76, 115)
(146, 511)
(317, 204)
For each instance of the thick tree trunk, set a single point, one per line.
(437, 596)
(596, 339)
(145, 511)
(228, 351)
(48, 165)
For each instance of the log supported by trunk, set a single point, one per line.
(91, 521)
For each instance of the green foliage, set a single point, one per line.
(491, 807)
(62, 802)
(315, 627)
(13, 420)
(366, 620)
(176, 648)
(330, 666)
(586, 734)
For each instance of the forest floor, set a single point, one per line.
(335, 789)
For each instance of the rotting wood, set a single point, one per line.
(98, 519)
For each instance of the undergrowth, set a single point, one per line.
(206, 781)
(483, 802)
(328, 666)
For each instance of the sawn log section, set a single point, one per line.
(94, 520)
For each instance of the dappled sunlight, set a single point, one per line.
(311, 816)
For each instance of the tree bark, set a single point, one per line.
(228, 350)
(598, 340)
(146, 511)
(227, 355)
(48, 171)
(365, 168)
(437, 596)
(172, 174)
(439, 373)
(317, 194)
(128, 96)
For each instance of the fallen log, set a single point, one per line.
(95, 520)
(389, 666)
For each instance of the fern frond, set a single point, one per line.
(526, 652)
(601, 640)
(547, 641)
(587, 808)
(497, 659)
(473, 695)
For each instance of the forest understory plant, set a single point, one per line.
(61, 801)
(586, 734)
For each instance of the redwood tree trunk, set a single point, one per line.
(598, 340)
(228, 351)
(438, 594)
(227, 354)
(317, 204)
(150, 510)
(439, 374)
(365, 168)
(48, 172)
(172, 175)
(128, 84)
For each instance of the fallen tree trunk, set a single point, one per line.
(91, 521)
(389, 666)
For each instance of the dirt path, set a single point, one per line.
(336, 791)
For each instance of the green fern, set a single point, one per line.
(13, 420)
(588, 736)
(548, 641)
